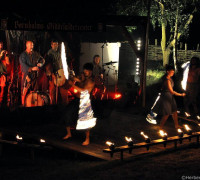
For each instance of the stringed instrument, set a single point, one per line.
(59, 78)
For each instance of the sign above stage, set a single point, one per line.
(34, 25)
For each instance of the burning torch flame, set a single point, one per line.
(185, 66)
(109, 143)
(145, 136)
(162, 133)
(42, 141)
(64, 61)
(179, 130)
(128, 139)
(18, 137)
(187, 127)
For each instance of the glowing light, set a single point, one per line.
(75, 91)
(150, 118)
(137, 69)
(64, 61)
(162, 133)
(138, 62)
(138, 59)
(187, 127)
(109, 143)
(19, 137)
(42, 141)
(137, 66)
(145, 136)
(139, 41)
(117, 96)
(179, 130)
(138, 48)
(185, 66)
(198, 117)
(137, 73)
(128, 139)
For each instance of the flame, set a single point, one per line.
(162, 133)
(42, 141)
(187, 127)
(117, 96)
(64, 61)
(187, 114)
(18, 137)
(75, 91)
(145, 136)
(179, 130)
(128, 139)
(109, 143)
(185, 74)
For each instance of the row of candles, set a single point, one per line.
(162, 133)
(20, 139)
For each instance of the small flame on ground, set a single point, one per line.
(42, 141)
(18, 137)
(117, 96)
(145, 136)
(187, 114)
(128, 139)
(162, 133)
(187, 127)
(109, 143)
(179, 130)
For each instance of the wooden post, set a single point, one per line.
(145, 57)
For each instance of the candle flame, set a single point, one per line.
(109, 143)
(128, 139)
(162, 133)
(187, 127)
(18, 137)
(42, 141)
(145, 136)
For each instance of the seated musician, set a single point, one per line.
(80, 107)
(30, 62)
(4, 62)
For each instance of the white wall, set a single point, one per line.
(110, 53)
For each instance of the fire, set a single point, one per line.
(162, 133)
(42, 141)
(19, 137)
(145, 136)
(128, 139)
(64, 61)
(117, 96)
(75, 91)
(185, 66)
(109, 143)
(179, 130)
(187, 127)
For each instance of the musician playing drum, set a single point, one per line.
(4, 62)
(30, 62)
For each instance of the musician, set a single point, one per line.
(72, 113)
(30, 61)
(192, 89)
(97, 71)
(54, 72)
(4, 62)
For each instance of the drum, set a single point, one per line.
(35, 98)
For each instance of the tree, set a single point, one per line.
(173, 17)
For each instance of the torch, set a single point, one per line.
(19, 138)
(129, 141)
(163, 134)
(111, 145)
(188, 129)
(147, 139)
